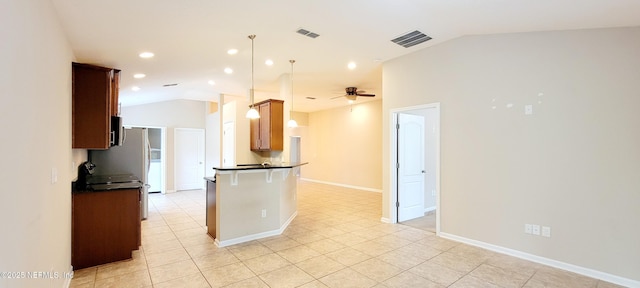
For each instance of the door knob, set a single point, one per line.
(424, 171)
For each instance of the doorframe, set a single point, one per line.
(393, 159)
(163, 161)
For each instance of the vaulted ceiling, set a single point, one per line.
(190, 40)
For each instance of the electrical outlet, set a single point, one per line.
(535, 229)
(528, 109)
(264, 213)
(546, 231)
(528, 229)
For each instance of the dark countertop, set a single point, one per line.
(105, 183)
(259, 166)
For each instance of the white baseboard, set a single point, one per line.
(546, 261)
(385, 220)
(256, 236)
(343, 185)
(67, 281)
(170, 191)
(429, 209)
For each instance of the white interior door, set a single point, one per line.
(189, 158)
(229, 144)
(410, 166)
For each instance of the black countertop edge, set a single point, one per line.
(259, 167)
(76, 190)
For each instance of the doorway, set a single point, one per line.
(408, 190)
(157, 138)
(157, 144)
(189, 158)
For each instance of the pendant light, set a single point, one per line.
(292, 123)
(252, 113)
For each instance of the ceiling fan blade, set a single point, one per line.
(367, 95)
(337, 97)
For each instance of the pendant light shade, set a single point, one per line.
(252, 113)
(291, 123)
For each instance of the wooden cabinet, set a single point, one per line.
(94, 101)
(211, 207)
(266, 131)
(105, 226)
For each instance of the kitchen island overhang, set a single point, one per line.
(251, 201)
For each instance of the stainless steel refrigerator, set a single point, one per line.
(132, 157)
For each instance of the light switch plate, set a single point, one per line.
(546, 231)
(528, 229)
(535, 229)
(54, 175)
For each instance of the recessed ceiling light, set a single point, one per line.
(139, 76)
(269, 62)
(146, 55)
(228, 70)
(232, 51)
(211, 82)
(352, 65)
(135, 88)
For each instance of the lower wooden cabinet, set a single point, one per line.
(105, 226)
(211, 208)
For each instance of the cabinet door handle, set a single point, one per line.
(112, 136)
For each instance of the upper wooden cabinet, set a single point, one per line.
(95, 100)
(266, 131)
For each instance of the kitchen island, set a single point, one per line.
(249, 202)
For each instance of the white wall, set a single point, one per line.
(170, 114)
(343, 146)
(35, 118)
(573, 165)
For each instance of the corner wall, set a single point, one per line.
(35, 119)
(343, 146)
(572, 165)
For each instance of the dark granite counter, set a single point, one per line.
(240, 167)
(103, 183)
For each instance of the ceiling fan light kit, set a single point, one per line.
(352, 93)
(252, 113)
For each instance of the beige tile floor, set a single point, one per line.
(337, 240)
(426, 222)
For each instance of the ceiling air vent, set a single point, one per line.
(170, 85)
(410, 39)
(307, 33)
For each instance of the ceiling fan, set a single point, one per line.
(353, 92)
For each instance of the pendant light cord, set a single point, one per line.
(291, 78)
(252, 37)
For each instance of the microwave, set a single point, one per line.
(116, 135)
